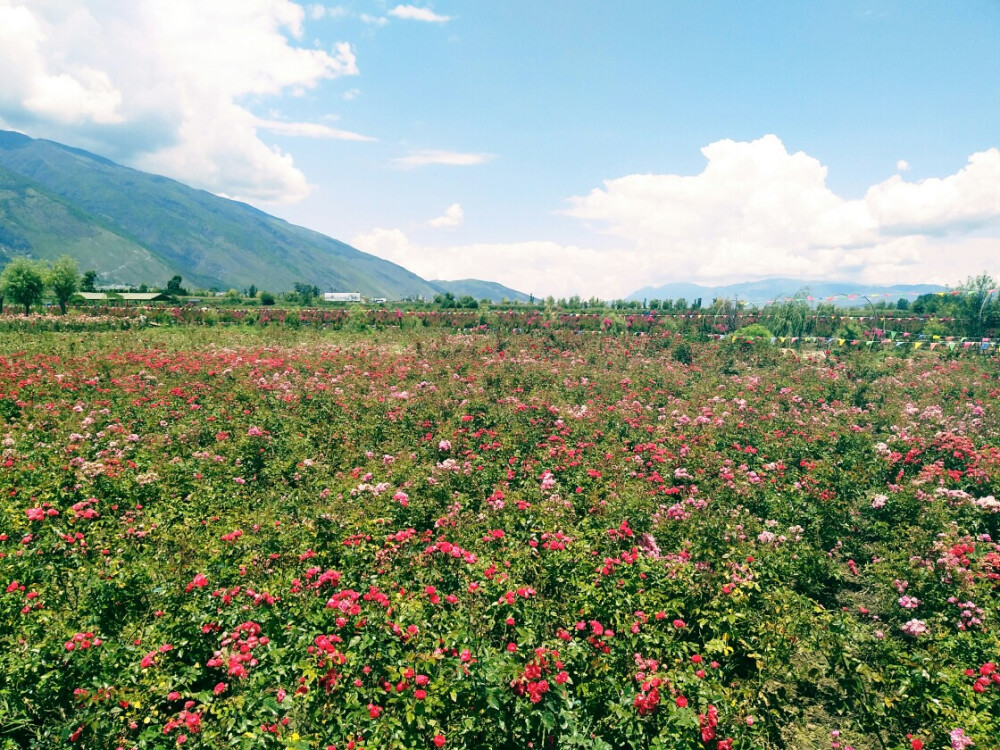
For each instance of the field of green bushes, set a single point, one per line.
(509, 536)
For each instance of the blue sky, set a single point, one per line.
(563, 147)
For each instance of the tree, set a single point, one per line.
(174, 288)
(266, 299)
(63, 279)
(306, 292)
(445, 301)
(22, 280)
(89, 282)
(252, 291)
(974, 303)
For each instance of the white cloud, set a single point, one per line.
(452, 217)
(966, 200)
(373, 20)
(310, 130)
(758, 211)
(755, 211)
(902, 165)
(533, 267)
(413, 13)
(425, 157)
(66, 94)
(164, 86)
(318, 12)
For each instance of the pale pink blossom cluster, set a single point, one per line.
(959, 740)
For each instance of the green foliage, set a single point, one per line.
(754, 331)
(89, 281)
(306, 293)
(63, 278)
(174, 286)
(850, 330)
(789, 318)
(23, 282)
(335, 527)
(445, 300)
(682, 353)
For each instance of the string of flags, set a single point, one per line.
(876, 295)
(948, 342)
(860, 318)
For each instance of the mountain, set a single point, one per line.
(134, 227)
(478, 290)
(759, 292)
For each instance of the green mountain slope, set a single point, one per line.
(136, 227)
(478, 290)
(36, 222)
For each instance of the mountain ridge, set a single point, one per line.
(56, 199)
(479, 289)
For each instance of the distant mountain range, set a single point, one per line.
(133, 227)
(758, 292)
(481, 290)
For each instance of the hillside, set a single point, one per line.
(759, 292)
(135, 227)
(479, 289)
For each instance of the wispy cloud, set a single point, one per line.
(373, 20)
(413, 13)
(453, 216)
(310, 130)
(317, 11)
(424, 157)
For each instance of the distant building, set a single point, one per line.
(342, 297)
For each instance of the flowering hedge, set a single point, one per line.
(844, 326)
(429, 541)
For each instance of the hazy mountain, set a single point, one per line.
(480, 290)
(758, 292)
(133, 227)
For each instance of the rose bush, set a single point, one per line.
(425, 540)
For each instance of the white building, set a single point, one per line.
(342, 297)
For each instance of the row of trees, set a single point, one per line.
(24, 281)
(973, 308)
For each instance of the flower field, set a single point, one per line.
(421, 539)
